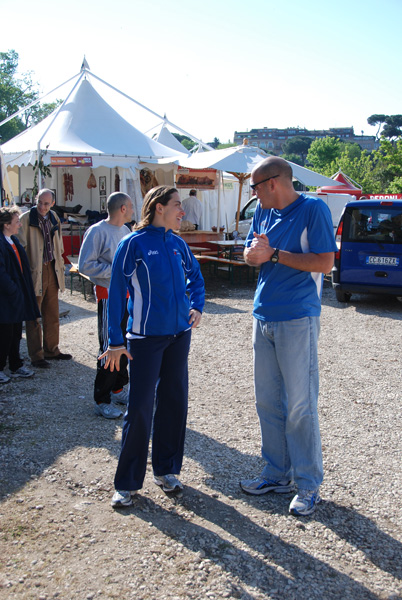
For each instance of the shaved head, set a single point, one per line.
(271, 166)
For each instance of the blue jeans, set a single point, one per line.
(286, 391)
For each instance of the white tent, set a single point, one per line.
(87, 125)
(240, 161)
(165, 137)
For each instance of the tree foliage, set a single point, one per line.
(391, 125)
(15, 93)
(298, 145)
(215, 143)
(295, 158)
(323, 152)
(377, 120)
(376, 172)
(187, 142)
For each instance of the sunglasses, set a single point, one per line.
(254, 185)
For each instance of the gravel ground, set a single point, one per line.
(61, 539)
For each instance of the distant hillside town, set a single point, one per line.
(272, 140)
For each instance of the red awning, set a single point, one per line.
(347, 186)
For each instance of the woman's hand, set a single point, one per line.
(195, 318)
(113, 356)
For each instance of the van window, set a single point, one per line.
(381, 224)
(250, 210)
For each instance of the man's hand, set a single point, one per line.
(259, 252)
(195, 318)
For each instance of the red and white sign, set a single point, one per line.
(384, 196)
(71, 161)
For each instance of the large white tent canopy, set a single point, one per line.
(85, 124)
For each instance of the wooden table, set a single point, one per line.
(229, 257)
(234, 247)
(74, 272)
(199, 237)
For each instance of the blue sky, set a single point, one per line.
(219, 66)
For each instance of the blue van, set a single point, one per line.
(369, 257)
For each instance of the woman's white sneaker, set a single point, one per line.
(169, 483)
(122, 498)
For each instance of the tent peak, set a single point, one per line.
(85, 65)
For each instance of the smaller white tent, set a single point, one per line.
(165, 137)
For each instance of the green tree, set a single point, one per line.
(228, 145)
(323, 152)
(295, 158)
(299, 146)
(389, 157)
(16, 93)
(377, 120)
(215, 143)
(362, 169)
(185, 141)
(393, 127)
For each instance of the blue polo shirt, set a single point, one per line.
(284, 293)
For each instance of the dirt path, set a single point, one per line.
(61, 539)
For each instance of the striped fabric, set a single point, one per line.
(46, 227)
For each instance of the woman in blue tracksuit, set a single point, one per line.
(167, 296)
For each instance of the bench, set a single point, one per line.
(226, 264)
(202, 250)
(74, 272)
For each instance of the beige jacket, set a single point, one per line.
(31, 238)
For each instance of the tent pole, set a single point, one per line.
(4, 168)
(242, 177)
(219, 200)
(151, 111)
(239, 203)
(24, 108)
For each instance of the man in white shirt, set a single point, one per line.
(193, 209)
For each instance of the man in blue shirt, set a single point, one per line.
(291, 239)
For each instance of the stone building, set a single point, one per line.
(271, 140)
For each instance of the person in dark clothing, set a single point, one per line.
(17, 296)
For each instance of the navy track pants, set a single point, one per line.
(159, 363)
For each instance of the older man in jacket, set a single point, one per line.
(42, 239)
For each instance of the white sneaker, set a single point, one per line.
(121, 397)
(22, 372)
(169, 483)
(304, 502)
(109, 411)
(4, 378)
(122, 498)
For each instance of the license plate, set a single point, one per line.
(389, 261)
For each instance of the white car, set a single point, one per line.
(335, 203)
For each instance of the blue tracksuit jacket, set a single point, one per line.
(164, 281)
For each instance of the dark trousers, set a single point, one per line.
(10, 337)
(107, 381)
(164, 358)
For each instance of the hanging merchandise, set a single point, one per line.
(148, 180)
(91, 183)
(68, 187)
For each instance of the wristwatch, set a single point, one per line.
(275, 257)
